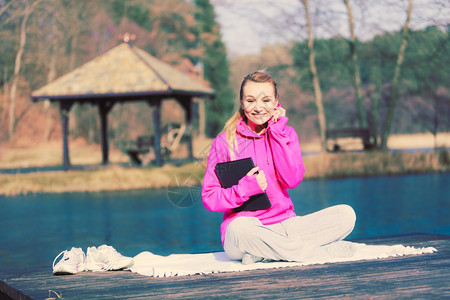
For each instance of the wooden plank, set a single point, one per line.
(419, 276)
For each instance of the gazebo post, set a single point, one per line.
(64, 108)
(157, 131)
(104, 108)
(186, 102)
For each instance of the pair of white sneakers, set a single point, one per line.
(103, 258)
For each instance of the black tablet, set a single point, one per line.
(229, 174)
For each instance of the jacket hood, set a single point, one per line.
(251, 137)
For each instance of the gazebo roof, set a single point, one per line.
(125, 70)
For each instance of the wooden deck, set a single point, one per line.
(418, 277)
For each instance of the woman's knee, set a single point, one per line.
(232, 251)
(240, 222)
(348, 215)
(236, 231)
(242, 226)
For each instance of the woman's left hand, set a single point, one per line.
(278, 112)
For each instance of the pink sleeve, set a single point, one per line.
(218, 199)
(286, 153)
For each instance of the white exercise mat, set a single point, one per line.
(149, 264)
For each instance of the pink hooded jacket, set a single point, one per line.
(276, 151)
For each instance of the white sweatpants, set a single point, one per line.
(293, 239)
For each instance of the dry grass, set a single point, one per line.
(81, 153)
(329, 165)
(110, 178)
(124, 178)
(114, 177)
(50, 154)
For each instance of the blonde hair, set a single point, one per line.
(231, 124)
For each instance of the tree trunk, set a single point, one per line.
(5, 7)
(435, 120)
(316, 84)
(393, 96)
(50, 77)
(375, 77)
(72, 56)
(356, 70)
(17, 65)
(4, 102)
(72, 63)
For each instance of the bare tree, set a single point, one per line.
(29, 8)
(5, 7)
(356, 69)
(56, 14)
(375, 98)
(394, 94)
(50, 77)
(4, 99)
(316, 84)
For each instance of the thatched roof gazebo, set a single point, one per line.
(123, 74)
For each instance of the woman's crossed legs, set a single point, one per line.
(293, 239)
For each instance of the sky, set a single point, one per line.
(248, 25)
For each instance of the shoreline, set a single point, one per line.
(91, 176)
(119, 178)
(398, 142)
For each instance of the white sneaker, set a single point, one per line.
(106, 258)
(72, 262)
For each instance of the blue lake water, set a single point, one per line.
(35, 228)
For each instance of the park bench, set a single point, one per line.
(336, 138)
(141, 151)
(141, 147)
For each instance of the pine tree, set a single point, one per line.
(216, 68)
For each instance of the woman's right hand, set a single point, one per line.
(260, 177)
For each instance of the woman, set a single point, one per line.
(259, 131)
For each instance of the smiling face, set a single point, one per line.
(258, 103)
